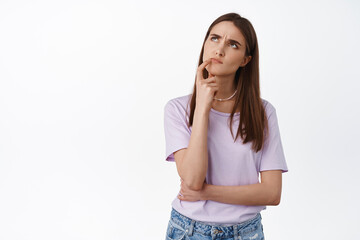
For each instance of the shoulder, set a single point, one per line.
(180, 103)
(269, 108)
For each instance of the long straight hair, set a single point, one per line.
(253, 125)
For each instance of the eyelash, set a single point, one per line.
(230, 44)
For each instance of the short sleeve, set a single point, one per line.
(177, 133)
(273, 157)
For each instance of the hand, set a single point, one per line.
(205, 88)
(186, 194)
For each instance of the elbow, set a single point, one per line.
(195, 186)
(194, 183)
(276, 200)
(274, 194)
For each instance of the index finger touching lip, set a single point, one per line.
(207, 61)
(202, 67)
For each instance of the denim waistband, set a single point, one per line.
(189, 225)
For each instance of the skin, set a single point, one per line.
(231, 54)
(268, 191)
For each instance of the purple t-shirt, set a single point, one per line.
(229, 163)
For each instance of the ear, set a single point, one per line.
(245, 61)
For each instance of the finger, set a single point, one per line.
(215, 85)
(201, 68)
(207, 81)
(210, 79)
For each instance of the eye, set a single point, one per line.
(234, 44)
(213, 38)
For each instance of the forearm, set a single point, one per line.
(253, 194)
(194, 164)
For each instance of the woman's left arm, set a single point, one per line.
(268, 192)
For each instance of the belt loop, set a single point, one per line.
(236, 233)
(190, 228)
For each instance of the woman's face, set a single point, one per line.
(227, 44)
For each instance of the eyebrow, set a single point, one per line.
(231, 40)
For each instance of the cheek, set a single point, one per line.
(234, 67)
(208, 48)
(206, 52)
(235, 61)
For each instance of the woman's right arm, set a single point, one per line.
(192, 162)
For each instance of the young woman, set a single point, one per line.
(221, 196)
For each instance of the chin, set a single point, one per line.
(213, 71)
(216, 72)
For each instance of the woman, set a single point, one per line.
(220, 195)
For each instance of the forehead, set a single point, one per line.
(228, 30)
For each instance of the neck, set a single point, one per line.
(226, 86)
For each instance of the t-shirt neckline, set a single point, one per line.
(223, 113)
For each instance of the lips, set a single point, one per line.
(214, 60)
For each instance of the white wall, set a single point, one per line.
(82, 90)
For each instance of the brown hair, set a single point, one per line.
(252, 112)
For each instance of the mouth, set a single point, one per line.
(214, 60)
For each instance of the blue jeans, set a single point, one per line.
(181, 227)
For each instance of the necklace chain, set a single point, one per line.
(224, 99)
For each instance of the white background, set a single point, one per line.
(83, 85)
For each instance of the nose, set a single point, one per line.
(220, 50)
